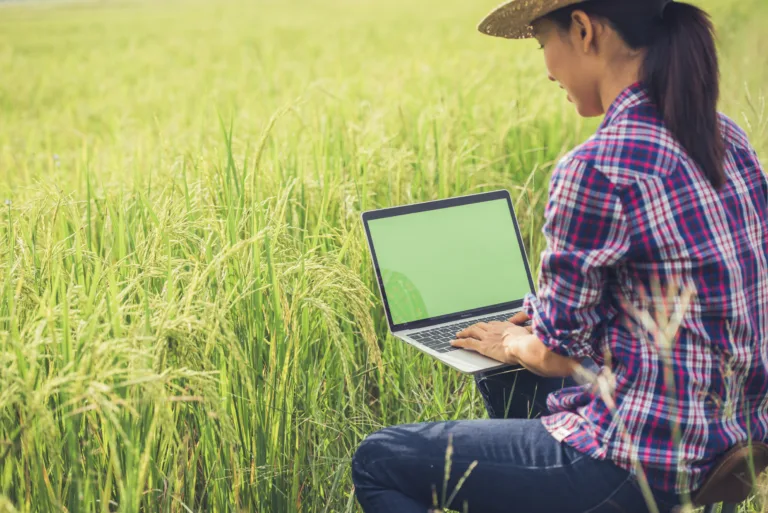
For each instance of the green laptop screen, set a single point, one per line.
(450, 260)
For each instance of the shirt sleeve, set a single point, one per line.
(586, 233)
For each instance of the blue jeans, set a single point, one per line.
(513, 463)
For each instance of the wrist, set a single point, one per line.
(510, 342)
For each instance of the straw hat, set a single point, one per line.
(513, 19)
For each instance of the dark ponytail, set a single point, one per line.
(680, 69)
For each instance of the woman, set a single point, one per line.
(666, 190)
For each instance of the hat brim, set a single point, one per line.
(513, 19)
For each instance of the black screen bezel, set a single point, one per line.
(437, 205)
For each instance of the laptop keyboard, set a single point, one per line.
(439, 339)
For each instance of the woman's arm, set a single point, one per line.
(587, 234)
(530, 352)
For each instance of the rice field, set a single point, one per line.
(188, 316)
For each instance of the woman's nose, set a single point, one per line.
(553, 79)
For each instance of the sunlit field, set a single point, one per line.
(188, 316)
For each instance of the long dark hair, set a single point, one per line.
(680, 69)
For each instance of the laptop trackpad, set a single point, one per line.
(469, 361)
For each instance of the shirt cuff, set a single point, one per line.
(571, 344)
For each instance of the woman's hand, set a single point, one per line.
(521, 319)
(488, 338)
(508, 342)
(516, 345)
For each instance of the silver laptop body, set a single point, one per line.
(436, 275)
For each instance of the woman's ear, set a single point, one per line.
(585, 29)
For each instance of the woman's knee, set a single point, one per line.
(374, 447)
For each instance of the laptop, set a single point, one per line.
(445, 265)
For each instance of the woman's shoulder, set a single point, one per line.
(627, 150)
(733, 134)
(637, 146)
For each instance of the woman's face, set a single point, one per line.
(571, 62)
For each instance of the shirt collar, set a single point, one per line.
(629, 97)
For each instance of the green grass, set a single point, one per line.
(188, 316)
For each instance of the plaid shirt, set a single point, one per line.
(625, 208)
